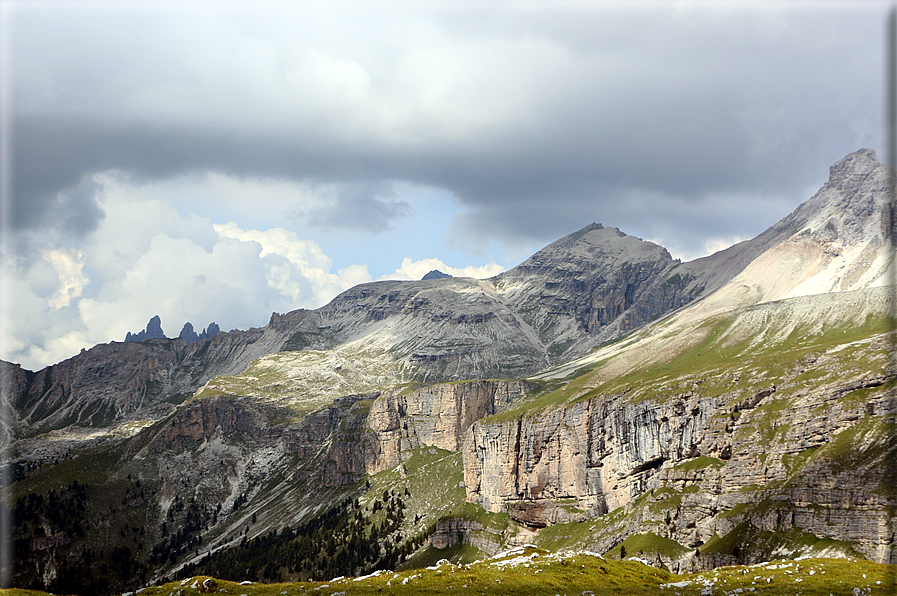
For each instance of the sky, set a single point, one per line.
(216, 161)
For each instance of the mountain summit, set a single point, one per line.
(153, 331)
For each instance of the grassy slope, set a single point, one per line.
(535, 571)
(724, 357)
(306, 380)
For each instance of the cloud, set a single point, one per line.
(68, 265)
(508, 108)
(366, 207)
(415, 270)
(60, 210)
(297, 268)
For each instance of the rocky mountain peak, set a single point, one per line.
(153, 331)
(591, 246)
(848, 208)
(188, 334)
(858, 163)
(191, 337)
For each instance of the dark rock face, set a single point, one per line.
(435, 274)
(153, 331)
(187, 333)
(201, 419)
(209, 332)
(592, 286)
(580, 291)
(190, 336)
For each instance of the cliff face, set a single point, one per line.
(806, 433)
(436, 416)
(336, 445)
(598, 454)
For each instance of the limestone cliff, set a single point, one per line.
(436, 416)
(766, 426)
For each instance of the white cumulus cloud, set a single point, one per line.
(297, 268)
(68, 265)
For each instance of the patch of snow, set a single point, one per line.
(374, 574)
(407, 579)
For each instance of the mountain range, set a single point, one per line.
(600, 395)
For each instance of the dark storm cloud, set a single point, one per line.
(367, 207)
(542, 120)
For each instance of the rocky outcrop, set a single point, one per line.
(582, 460)
(380, 431)
(190, 336)
(202, 419)
(450, 532)
(435, 416)
(591, 286)
(153, 331)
